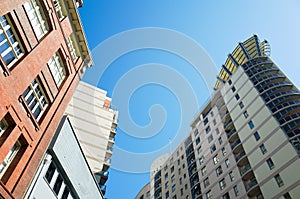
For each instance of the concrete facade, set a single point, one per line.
(245, 141)
(43, 56)
(66, 162)
(95, 125)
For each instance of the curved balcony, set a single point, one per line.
(232, 135)
(236, 146)
(192, 168)
(228, 126)
(246, 172)
(252, 188)
(196, 191)
(241, 159)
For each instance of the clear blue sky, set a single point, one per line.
(155, 98)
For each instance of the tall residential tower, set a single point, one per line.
(245, 141)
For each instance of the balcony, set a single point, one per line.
(231, 134)
(235, 145)
(227, 125)
(245, 169)
(112, 139)
(113, 130)
(239, 157)
(109, 148)
(252, 188)
(103, 189)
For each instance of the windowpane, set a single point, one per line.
(256, 135)
(57, 69)
(57, 184)
(263, 149)
(50, 172)
(251, 124)
(279, 180)
(270, 163)
(9, 158)
(71, 48)
(222, 184)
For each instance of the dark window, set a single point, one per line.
(233, 89)
(226, 196)
(287, 196)
(212, 148)
(219, 170)
(237, 97)
(220, 140)
(50, 172)
(251, 124)
(197, 140)
(241, 104)
(65, 193)
(279, 180)
(270, 163)
(207, 129)
(229, 82)
(246, 114)
(57, 184)
(210, 139)
(172, 169)
(263, 149)
(256, 135)
(205, 121)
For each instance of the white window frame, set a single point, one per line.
(9, 158)
(36, 90)
(36, 18)
(222, 184)
(3, 126)
(57, 69)
(10, 39)
(71, 48)
(58, 9)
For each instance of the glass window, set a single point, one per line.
(233, 89)
(222, 184)
(180, 181)
(185, 186)
(236, 191)
(270, 163)
(57, 69)
(279, 180)
(36, 17)
(197, 140)
(71, 48)
(217, 131)
(10, 49)
(174, 197)
(166, 185)
(219, 170)
(241, 104)
(216, 159)
(209, 195)
(178, 162)
(251, 124)
(231, 176)
(201, 160)
(256, 135)
(229, 82)
(246, 114)
(199, 150)
(220, 140)
(66, 193)
(212, 113)
(223, 151)
(287, 196)
(167, 194)
(210, 139)
(207, 129)
(9, 158)
(173, 178)
(263, 149)
(226, 196)
(237, 97)
(196, 132)
(206, 182)
(181, 192)
(173, 188)
(205, 121)
(3, 126)
(166, 175)
(203, 170)
(227, 163)
(50, 171)
(36, 99)
(57, 184)
(212, 148)
(172, 169)
(214, 122)
(58, 9)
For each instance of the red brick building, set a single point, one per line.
(43, 54)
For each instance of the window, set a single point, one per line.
(58, 9)
(251, 124)
(210, 139)
(183, 165)
(241, 105)
(197, 141)
(212, 148)
(142, 197)
(233, 89)
(201, 160)
(57, 69)
(177, 153)
(226, 196)
(184, 176)
(209, 195)
(207, 130)
(222, 184)
(220, 140)
(166, 167)
(231, 176)
(185, 186)
(71, 48)
(65, 193)
(166, 175)
(219, 170)
(217, 131)
(57, 184)
(166, 185)
(206, 182)
(9, 158)
(203, 170)
(237, 97)
(35, 99)
(212, 113)
(167, 194)
(37, 20)
(199, 150)
(196, 132)
(173, 188)
(246, 114)
(172, 169)
(223, 151)
(180, 181)
(182, 157)
(174, 197)
(270, 163)
(181, 192)
(229, 82)
(214, 122)
(257, 136)
(227, 163)
(10, 49)
(179, 171)
(3, 126)
(173, 178)
(205, 121)
(216, 159)
(178, 162)
(263, 149)
(236, 191)
(279, 180)
(148, 194)
(287, 196)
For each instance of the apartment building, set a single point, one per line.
(94, 122)
(43, 54)
(245, 141)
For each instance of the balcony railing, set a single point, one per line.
(251, 184)
(227, 124)
(235, 144)
(245, 169)
(111, 138)
(233, 131)
(239, 156)
(109, 148)
(107, 160)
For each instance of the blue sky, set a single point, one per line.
(157, 91)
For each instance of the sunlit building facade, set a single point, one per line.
(43, 54)
(245, 141)
(95, 123)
